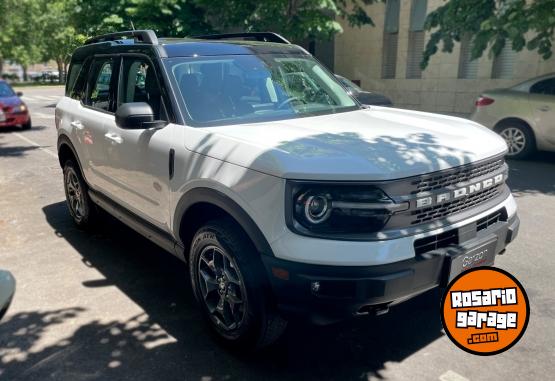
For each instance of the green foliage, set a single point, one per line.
(491, 23)
(295, 19)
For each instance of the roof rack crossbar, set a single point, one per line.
(257, 36)
(144, 36)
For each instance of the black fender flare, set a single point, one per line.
(222, 201)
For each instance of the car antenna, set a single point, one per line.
(132, 25)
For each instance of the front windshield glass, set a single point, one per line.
(254, 88)
(6, 90)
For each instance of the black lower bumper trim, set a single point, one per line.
(326, 294)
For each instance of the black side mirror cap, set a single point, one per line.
(19, 94)
(137, 115)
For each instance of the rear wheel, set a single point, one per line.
(82, 209)
(519, 138)
(230, 284)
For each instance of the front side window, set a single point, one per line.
(100, 94)
(6, 90)
(138, 83)
(251, 88)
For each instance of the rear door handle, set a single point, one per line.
(115, 138)
(544, 108)
(77, 124)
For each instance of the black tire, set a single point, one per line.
(519, 138)
(83, 211)
(27, 126)
(259, 325)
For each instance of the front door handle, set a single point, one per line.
(115, 138)
(544, 108)
(77, 124)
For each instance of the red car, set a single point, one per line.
(13, 112)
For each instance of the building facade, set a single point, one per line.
(385, 58)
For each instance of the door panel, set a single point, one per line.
(139, 159)
(542, 102)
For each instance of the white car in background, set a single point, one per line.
(524, 115)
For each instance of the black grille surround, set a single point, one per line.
(446, 182)
(448, 208)
(439, 180)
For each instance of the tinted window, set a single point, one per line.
(74, 70)
(100, 91)
(547, 86)
(6, 90)
(138, 83)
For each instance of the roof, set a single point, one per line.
(182, 47)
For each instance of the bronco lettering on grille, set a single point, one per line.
(459, 192)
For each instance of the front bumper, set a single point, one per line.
(14, 119)
(346, 291)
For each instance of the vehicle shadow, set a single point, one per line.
(169, 341)
(533, 175)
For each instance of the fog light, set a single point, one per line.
(315, 286)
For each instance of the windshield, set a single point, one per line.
(6, 90)
(247, 88)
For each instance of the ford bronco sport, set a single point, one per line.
(246, 158)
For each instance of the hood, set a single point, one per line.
(371, 144)
(10, 101)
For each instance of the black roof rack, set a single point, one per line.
(144, 36)
(256, 36)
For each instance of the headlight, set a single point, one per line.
(332, 210)
(20, 108)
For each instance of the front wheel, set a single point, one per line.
(230, 284)
(27, 126)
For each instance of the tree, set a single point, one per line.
(491, 23)
(21, 33)
(295, 19)
(167, 17)
(60, 35)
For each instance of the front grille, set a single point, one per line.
(451, 237)
(491, 219)
(463, 174)
(438, 241)
(448, 208)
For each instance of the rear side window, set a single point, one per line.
(100, 93)
(547, 86)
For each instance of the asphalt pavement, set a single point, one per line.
(110, 305)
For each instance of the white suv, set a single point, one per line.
(246, 158)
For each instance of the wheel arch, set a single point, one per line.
(66, 150)
(202, 204)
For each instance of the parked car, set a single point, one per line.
(13, 111)
(7, 290)
(523, 115)
(363, 96)
(249, 161)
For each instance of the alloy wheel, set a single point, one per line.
(75, 196)
(515, 138)
(222, 288)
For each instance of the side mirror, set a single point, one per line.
(137, 115)
(19, 94)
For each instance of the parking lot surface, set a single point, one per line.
(111, 305)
